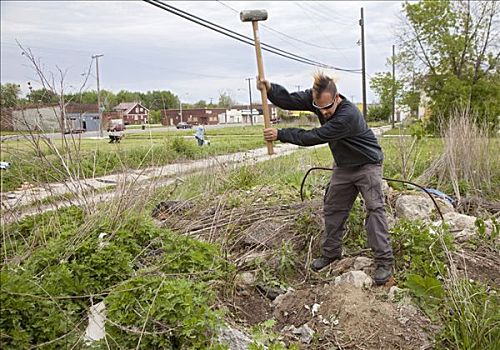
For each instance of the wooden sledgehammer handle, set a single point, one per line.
(263, 92)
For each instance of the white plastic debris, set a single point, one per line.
(95, 330)
(315, 309)
(102, 243)
(4, 165)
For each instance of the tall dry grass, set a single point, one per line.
(465, 163)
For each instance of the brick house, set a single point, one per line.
(132, 113)
(205, 116)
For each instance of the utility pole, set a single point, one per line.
(362, 24)
(298, 87)
(180, 109)
(250, 94)
(393, 85)
(98, 94)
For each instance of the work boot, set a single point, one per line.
(322, 262)
(382, 273)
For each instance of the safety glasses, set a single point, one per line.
(328, 106)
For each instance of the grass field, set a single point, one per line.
(95, 157)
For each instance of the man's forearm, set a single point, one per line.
(301, 100)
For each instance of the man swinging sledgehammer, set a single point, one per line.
(358, 166)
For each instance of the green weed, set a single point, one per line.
(265, 338)
(471, 318)
(162, 313)
(418, 250)
(45, 295)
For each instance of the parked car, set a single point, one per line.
(183, 125)
(75, 131)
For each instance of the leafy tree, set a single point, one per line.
(160, 99)
(42, 96)
(452, 49)
(225, 100)
(378, 112)
(384, 86)
(128, 96)
(200, 104)
(9, 95)
(154, 116)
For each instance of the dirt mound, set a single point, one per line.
(318, 314)
(352, 317)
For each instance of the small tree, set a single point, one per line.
(154, 116)
(9, 95)
(42, 95)
(384, 86)
(452, 49)
(225, 100)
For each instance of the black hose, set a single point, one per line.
(385, 178)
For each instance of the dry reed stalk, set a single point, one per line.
(465, 158)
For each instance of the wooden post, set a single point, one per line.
(263, 92)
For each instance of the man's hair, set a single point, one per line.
(322, 83)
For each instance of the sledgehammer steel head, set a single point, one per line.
(253, 15)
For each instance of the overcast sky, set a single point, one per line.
(146, 48)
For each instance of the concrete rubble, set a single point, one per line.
(358, 279)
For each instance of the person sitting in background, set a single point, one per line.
(200, 135)
(116, 133)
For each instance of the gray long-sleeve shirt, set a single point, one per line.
(351, 141)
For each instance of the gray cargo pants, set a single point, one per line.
(345, 184)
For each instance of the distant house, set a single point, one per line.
(205, 116)
(47, 118)
(241, 114)
(132, 113)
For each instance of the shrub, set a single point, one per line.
(182, 147)
(243, 178)
(174, 314)
(418, 250)
(45, 299)
(30, 315)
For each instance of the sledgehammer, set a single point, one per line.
(255, 16)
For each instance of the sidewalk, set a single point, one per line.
(31, 195)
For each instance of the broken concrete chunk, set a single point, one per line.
(414, 207)
(279, 299)
(234, 339)
(462, 227)
(245, 279)
(357, 279)
(305, 332)
(315, 309)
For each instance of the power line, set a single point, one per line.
(127, 59)
(284, 34)
(241, 37)
(331, 16)
(318, 28)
